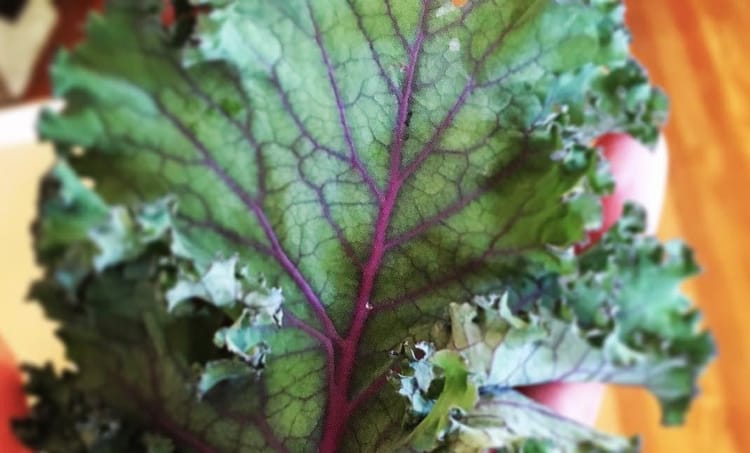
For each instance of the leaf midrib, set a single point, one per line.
(342, 351)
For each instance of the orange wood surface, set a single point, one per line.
(699, 51)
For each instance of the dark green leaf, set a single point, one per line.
(372, 161)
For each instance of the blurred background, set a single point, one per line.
(696, 50)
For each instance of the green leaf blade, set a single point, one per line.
(371, 161)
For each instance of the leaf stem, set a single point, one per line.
(340, 406)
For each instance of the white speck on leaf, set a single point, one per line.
(445, 9)
(558, 155)
(454, 45)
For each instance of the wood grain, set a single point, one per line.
(697, 51)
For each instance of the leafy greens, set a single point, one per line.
(348, 225)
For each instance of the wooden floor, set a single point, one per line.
(699, 51)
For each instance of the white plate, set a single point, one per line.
(18, 124)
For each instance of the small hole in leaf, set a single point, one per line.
(89, 183)
(77, 151)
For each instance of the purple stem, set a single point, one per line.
(339, 404)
